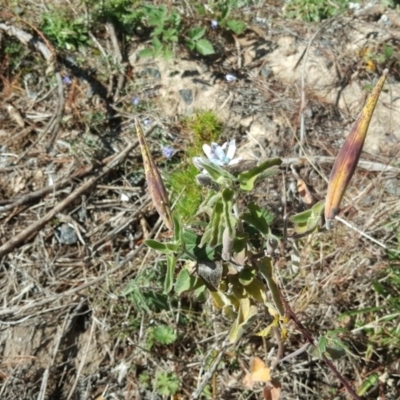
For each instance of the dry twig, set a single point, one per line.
(34, 228)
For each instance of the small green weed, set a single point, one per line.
(124, 14)
(144, 291)
(166, 26)
(65, 31)
(166, 383)
(183, 184)
(203, 127)
(167, 29)
(161, 334)
(314, 10)
(13, 52)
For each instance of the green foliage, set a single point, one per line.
(165, 25)
(167, 28)
(161, 334)
(314, 10)
(224, 11)
(195, 41)
(381, 323)
(144, 291)
(203, 127)
(183, 184)
(166, 383)
(331, 345)
(65, 31)
(12, 51)
(125, 14)
(308, 220)
(224, 238)
(144, 380)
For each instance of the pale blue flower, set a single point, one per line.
(230, 77)
(217, 155)
(135, 101)
(66, 80)
(168, 152)
(214, 24)
(147, 121)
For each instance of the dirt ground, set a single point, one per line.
(76, 280)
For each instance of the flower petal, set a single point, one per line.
(235, 161)
(231, 149)
(207, 151)
(219, 152)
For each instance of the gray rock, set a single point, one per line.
(187, 96)
(66, 234)
(153, 72)
(266, 71)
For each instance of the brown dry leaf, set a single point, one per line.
(305, 193)
(302, 188)
(259, 372)
(272, 391)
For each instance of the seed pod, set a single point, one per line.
(347, 159)
(155, 183)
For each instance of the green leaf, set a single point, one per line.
(146, 53)
(215, 171)
(247, 314)
(265, 267)
(170, 34)
(204, 47)
(166, 248)
(157, 15)
(388, 50)
(164, 334)
(227, 200)
(258, 218)
(370, 382)
(169, 276)
(266, 169)
(213, 233)
(173, 247)
(196, 33)
(322, 343)
(257, 290)
(177, 228)
(200, 292)
(237, 27)
(191, 44)
(193, 250)
(167, 383)
(308, 220)
(184, 282)
(246, 276)
(225, 12)
(240, 248)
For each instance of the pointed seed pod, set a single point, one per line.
(347, 159)
(155, 183)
